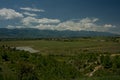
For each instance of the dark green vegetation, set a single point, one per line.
(61, 59)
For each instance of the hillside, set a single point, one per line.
(65, 59)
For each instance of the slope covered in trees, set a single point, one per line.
(22, 65)
(89, 58)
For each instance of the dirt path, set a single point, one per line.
(115, 55)
(95, 69)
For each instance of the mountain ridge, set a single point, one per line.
(36, 33)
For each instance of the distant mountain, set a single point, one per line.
(36, 33)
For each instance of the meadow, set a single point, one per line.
(96, 58)
(69, 46)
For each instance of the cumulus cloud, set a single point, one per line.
(109, 26)
(32, 9)
(32, 20)
(29, 14)
(9, 14)
(86, 24)
(88, 20)
(45, 27)
(29, 20)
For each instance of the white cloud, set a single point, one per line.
(29, 14)
(88, 20)
(46, 20)
(32, 9)
(32, 20)
(13, 27)
(9, 14)
(45, 27)
(29, 20)
(86, 24)
(109, 26)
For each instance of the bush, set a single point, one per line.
(106, 61)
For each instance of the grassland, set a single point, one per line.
(69, 47)
(61, 59)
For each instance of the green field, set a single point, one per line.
(96, 58)
(69, 47)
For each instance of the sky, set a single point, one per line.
(75, 15)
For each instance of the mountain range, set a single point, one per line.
(36, 33)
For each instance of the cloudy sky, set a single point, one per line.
(75, 15)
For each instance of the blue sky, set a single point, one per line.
(90, 15)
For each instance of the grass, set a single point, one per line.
(68, 47)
